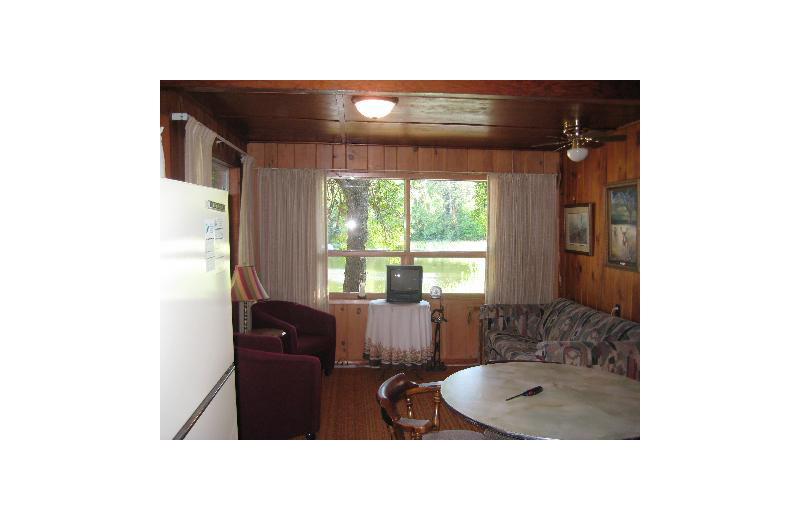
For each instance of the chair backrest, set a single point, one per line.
(389, 393)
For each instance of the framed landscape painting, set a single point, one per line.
(622, 217)
(578, 228)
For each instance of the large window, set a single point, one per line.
(438, 224)
(220, 174)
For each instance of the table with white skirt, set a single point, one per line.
(398, 333)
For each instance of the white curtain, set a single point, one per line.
(197, 152)
(246, 252)
(293, 250)
(522, 249)
(163, 161)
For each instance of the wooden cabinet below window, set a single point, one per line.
(460, 341)
(351, 328)
(460, 334)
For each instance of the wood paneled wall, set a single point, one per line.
(587, 279)
(401, 158)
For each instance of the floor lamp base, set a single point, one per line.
(244, 323)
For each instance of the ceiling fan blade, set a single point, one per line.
(590, 132)
(608, 138)
(561, 148)
(548, 144)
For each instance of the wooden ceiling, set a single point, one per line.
(485, 114)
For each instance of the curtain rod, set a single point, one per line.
(223, 140)
(184, 116)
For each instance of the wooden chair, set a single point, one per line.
(400, 387)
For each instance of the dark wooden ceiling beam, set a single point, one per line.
(608, 90)
(276, 121)
(342, 120)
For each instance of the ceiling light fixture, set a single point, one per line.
(577, 153)
(374, 107)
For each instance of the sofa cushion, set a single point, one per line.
(617, 357)
(503, 346)
(575, 353)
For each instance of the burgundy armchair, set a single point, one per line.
(278, 395)
(308, 331)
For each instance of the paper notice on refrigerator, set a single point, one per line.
(209, 226)
(219, 243)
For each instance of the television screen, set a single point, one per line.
(406, 280)
(403, 283)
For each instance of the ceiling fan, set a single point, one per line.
(576, 138)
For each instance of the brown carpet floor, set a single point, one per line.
(350, 409)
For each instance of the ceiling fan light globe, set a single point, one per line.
(374, 108)
(577, 154)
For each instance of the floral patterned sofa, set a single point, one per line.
(562, 331)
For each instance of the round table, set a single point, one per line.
(575, 403)
(398, 333)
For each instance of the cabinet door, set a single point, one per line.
(356, 331)
(340, 313)
(472, 343)
(460, 333)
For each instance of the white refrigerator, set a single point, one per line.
(198, 398)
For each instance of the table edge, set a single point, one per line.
(511, 435)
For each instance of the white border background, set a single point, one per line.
(719, 282)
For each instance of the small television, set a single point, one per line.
(403, 283)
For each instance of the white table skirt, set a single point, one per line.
(398, 333)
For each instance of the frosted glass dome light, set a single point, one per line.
(374, 107)
(577, 153)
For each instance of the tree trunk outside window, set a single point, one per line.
(356, 192)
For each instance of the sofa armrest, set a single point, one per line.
(315, 322)
(278, 394)
(305, 319)
(518, 319)
(256, 342)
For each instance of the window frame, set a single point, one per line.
(406, 255)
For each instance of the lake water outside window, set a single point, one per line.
(455, 275)
(375, 268)
(369, 214)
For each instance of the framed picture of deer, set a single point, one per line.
(622, 225)
(578, 228)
